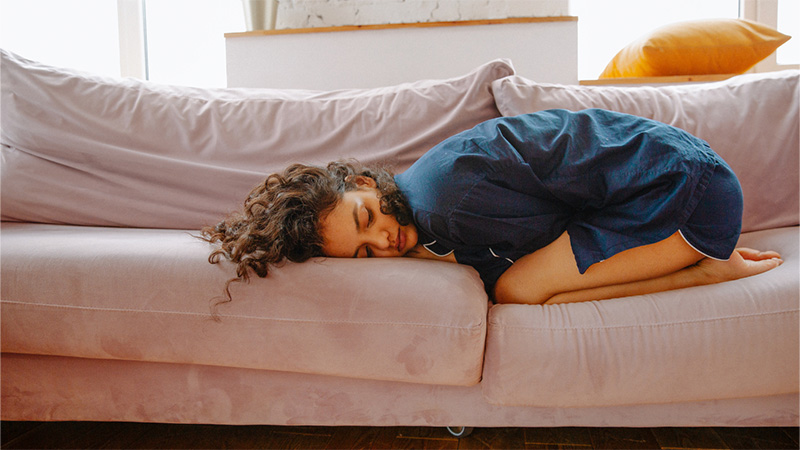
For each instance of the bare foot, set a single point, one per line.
(744, 262)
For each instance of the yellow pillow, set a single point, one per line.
(698, 47)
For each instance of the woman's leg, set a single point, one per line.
(744, 262)
(551, 274)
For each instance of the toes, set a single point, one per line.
(763, 265)
(756, 255)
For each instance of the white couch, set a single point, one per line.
(106, 295)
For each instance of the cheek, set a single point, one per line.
(334, 240)
(413, 237)
(335, 249)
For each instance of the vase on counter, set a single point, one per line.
(260, 14)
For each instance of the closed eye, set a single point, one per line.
(358, 221)
(367, 252)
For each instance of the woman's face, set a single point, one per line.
(356, 228)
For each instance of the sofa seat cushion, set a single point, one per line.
(146, 295)
(82, 149)
(730, 340)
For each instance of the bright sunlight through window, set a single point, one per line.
(185, 38)
(606, 26)
(185, 41)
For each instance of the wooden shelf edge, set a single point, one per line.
(391, 26)
(657, 80)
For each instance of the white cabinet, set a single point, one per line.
(542, 49)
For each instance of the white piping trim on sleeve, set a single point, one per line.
(433, 252)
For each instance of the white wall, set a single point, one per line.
(369, 58)
(366, 58)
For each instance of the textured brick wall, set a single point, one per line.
(327, 13)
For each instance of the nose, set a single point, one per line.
(381, 240)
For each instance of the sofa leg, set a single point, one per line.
(460, 432)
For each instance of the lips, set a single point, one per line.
(401, 241)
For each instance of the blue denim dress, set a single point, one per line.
(613, 181)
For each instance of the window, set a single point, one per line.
(82, 34)
(788, 12)
(780, 14)
(184, 41)
(606, 26)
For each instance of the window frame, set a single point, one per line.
(766, 12)
(132, 39)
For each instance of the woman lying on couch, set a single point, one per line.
(549, 207)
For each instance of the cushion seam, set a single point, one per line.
(474, 327)
(649, 325)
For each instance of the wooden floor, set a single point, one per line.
(155, 436)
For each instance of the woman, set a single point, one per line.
(548, 207)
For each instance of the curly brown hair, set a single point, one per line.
(281, 217)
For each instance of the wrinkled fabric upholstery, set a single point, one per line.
(87, 150)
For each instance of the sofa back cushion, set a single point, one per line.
(90, 150)
(750, 120)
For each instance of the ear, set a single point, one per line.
(362, 181)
